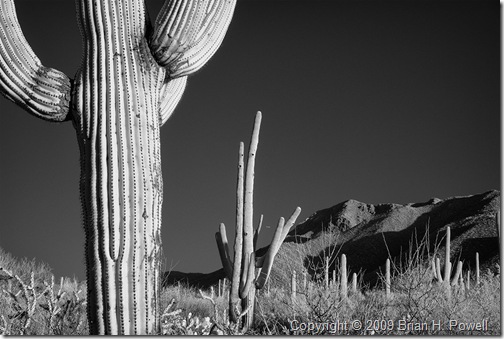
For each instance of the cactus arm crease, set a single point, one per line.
(171, 93)
(187, 33)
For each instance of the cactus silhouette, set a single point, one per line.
(133, 74)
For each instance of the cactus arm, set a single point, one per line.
(222, 245)
(42, 91)
(458, 274)
(188, 32)
(258, 230)
(171, 93)
(290, 223)
(244, 291)
(266, 262)
(267, 259)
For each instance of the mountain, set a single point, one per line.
(369, 233)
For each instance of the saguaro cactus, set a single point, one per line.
(343, 278)
(326, 273)
(132, 76)
(354, 283)
(387, 278)
(477, 269)
(436, 266)
(293, 286)
(241, 270)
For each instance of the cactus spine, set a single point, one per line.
(131, 78)
(241, 269)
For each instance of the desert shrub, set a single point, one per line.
(31, 303)
(188, 300)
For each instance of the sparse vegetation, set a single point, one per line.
(32, 303)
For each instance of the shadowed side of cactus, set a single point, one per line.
(131, 78)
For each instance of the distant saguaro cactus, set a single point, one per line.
(436, 267)
(343, 278)
(293, 285)
(132, 76)
(354, 283)
(241, 269)
(387, 277)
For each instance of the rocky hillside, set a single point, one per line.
(368, 233)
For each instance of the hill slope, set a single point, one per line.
(368, 233)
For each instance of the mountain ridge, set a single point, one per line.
(369, 233)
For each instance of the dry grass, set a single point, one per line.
(32, 303)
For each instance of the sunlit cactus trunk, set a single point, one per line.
(132, 76)
(116, 101)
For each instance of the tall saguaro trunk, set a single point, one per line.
(116, 96)
(131, 78)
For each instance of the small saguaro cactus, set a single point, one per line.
(497, 224)
(354, 283)
(477, 269)
(436, 267)
(133, 74)
(343, 278)
(326, 272)
(293, 286)
(387, 278)
(241, 270)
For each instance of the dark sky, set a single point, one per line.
(379, 101)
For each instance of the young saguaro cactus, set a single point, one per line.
(133, 74)
(241, 269)
(436, 265)
(343, 278)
